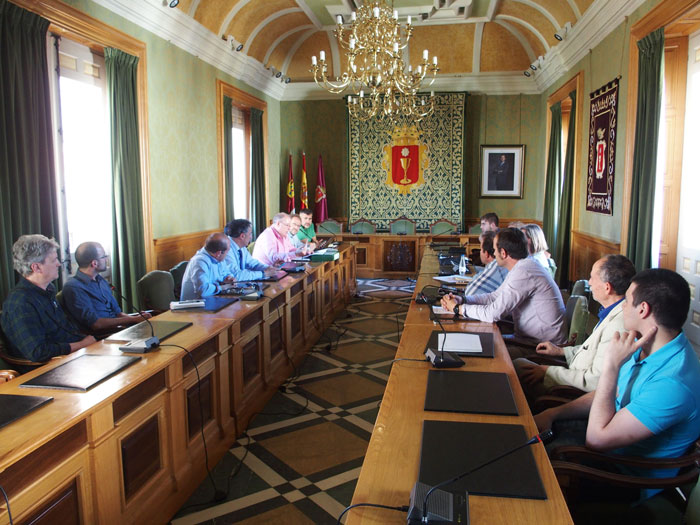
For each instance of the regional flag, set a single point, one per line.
(321, 207)
(290, 189)
(304, 188)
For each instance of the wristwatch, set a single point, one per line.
(456, 309)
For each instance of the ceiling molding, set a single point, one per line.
(274, 16)
(549, 16)
(491, 83)
(295, 47)
(280, 38)
(309, 12)
(574, 7)
(528, 26)
(590, 30)
(234, 10)
(521, 38)
(191, 36)
(476, 47)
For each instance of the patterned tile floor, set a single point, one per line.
(302, 455)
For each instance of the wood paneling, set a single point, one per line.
(199, 403)
(138, 395)
(585, 250)
(171, 250)
(199, 354)
(140, 456)
(31, 467)
(62, 509)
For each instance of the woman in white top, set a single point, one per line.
(537, 245)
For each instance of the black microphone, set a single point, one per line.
(138, 346)
(442, 360)
(543, 437)
(320, 225)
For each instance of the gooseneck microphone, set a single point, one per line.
(321, 226)
(442, 360)
(138, 346)
(543, 437)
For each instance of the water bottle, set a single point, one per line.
(463, 266)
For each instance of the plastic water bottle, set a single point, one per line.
(463, 266)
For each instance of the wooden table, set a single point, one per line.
(391, 463)
(130, 449)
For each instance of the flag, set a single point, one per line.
(304, 189)
(290, 189)
(321, 207)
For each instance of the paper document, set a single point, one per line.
(439, 310)
(453, 279)
(460, 343)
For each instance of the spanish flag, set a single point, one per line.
(290, 189)
(304, 187)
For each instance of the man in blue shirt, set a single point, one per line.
(34, 325)
(647, 402)
(206, 271)
(239, 261)
(88, 296)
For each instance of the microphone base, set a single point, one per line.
(141, 346)
(443, 507)
(443, 360)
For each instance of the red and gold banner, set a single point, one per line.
(405, 159)
(602, 139)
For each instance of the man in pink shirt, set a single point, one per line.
(273, 246)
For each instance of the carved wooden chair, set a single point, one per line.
(329, 227)
(363, 226)
(443, 227)
(401, 226)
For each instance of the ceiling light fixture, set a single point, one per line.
(174, 3)
(526, 73)
(382, 84)
(558, 37)
(239, 47)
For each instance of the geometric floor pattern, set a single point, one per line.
(300, 458)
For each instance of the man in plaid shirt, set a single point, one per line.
(491, 277)
(34, 325)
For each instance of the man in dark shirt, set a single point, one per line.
(88, 296)
(33, 323)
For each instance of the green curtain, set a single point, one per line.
(552, 191)
(560, 242)
(128, 255)
(257, 172)
(228, 157)
(646, 139)
(27, 173)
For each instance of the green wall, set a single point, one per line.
(316, 127)
(321, 127)
(182, 131)
(601, 65)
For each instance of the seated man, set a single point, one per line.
(294, 228)
(528, 293)
(35, 326)
(206, 271)
(88, 297)
(610, 278)
(306, 232)
(490, 278)
(241, 264)
(489, 222)
(272, 245)
(647, 402)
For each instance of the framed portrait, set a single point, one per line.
(502, 171)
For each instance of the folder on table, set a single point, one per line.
(472, 392)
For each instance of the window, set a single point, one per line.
(82, 138)
(240, 160)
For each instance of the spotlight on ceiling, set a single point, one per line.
(287, 80)
(533, 67)
(239, 47)
(174, 3)
(558, 37)
(279, 74)
(526, 73)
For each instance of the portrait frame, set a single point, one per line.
(502, 168)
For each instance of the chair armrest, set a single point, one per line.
(7, 375)
(551, 360)
(575, 470)
(571, 452)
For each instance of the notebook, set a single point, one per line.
(81, 373)
(161, 329)
(13, 407)
(471, 392)
(450, 448)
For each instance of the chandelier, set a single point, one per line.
(382, 85)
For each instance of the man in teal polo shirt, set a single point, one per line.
(647, 402)
(306, 233)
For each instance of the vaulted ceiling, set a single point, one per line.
(468, 36)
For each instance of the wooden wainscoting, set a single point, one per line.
(585, 250)
(171, 250)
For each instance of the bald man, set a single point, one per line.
(88, 296)
(205, 272)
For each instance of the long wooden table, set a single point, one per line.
(130, 450)
(391, 463)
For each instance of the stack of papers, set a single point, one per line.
(460, 343)
(453, 279)
(190, 303)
